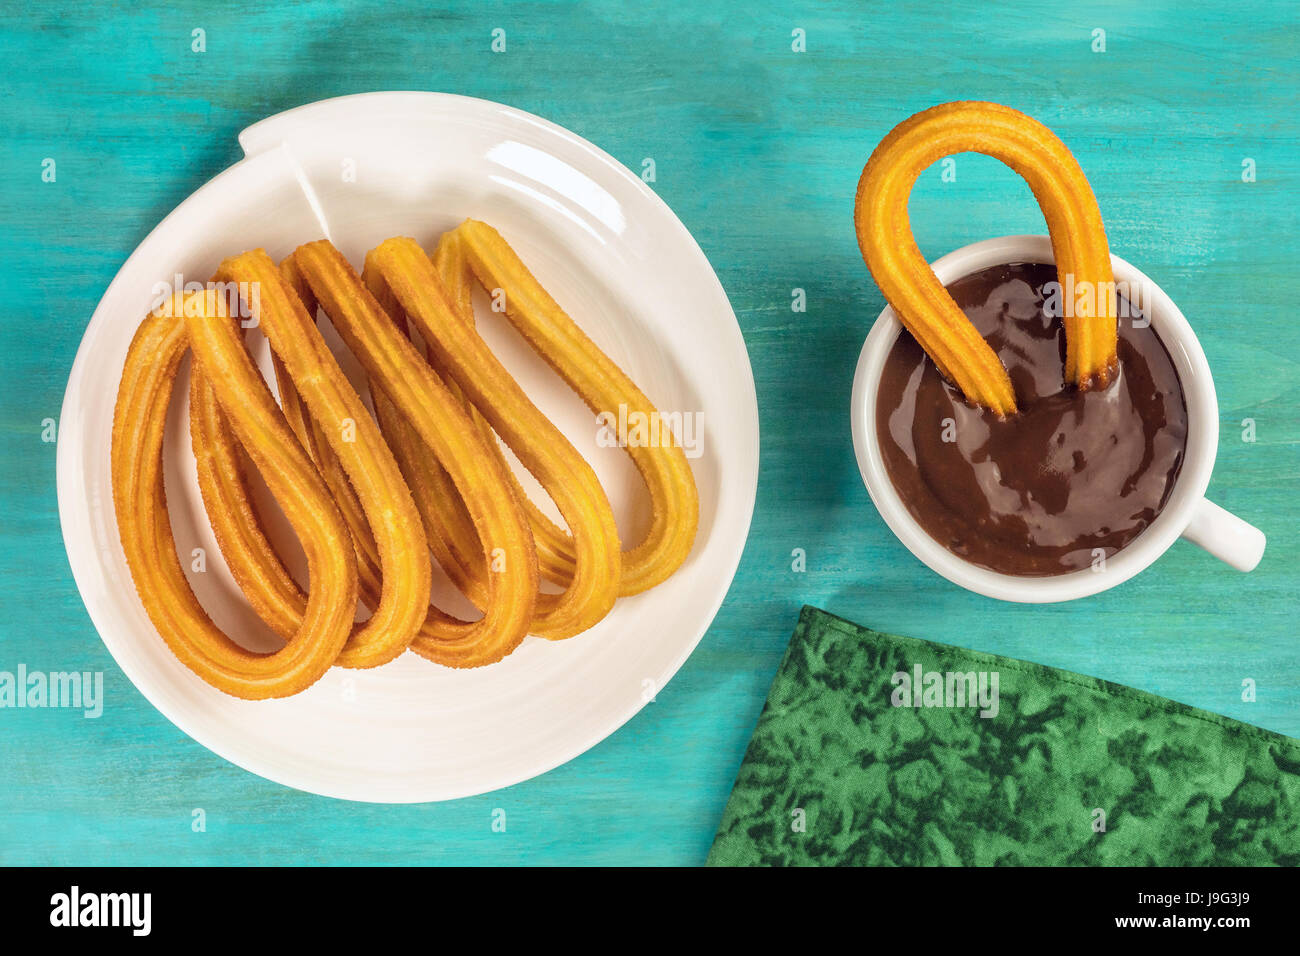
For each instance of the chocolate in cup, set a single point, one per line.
(1186, 513)
(1070, 479)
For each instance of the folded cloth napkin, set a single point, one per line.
(874, 749)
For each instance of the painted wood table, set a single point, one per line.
(758, 117)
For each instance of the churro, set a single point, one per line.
(140, 504)
(310, 433)
(405, 380)
(910, 286)
(476, 250)
(400, 271)
(236, 524)
(352, 435)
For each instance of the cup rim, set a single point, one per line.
(1193, 371)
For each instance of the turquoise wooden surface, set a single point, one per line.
(758, 149)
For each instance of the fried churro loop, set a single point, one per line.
(140, 505)
(309, 431)
(920, 300)
(404, 384)
(223, 486)
(399, 271)
(477, 251)
(400, 600)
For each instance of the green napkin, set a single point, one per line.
(867, 752)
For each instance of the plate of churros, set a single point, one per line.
(413, 454)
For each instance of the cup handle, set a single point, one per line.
(1225, 536)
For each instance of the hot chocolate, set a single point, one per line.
(1070, 478)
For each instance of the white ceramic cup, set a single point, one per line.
(1187, 514)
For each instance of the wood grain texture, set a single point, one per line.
(758, 150)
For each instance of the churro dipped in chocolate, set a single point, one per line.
(909, 284)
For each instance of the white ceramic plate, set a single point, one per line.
(360, 169)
